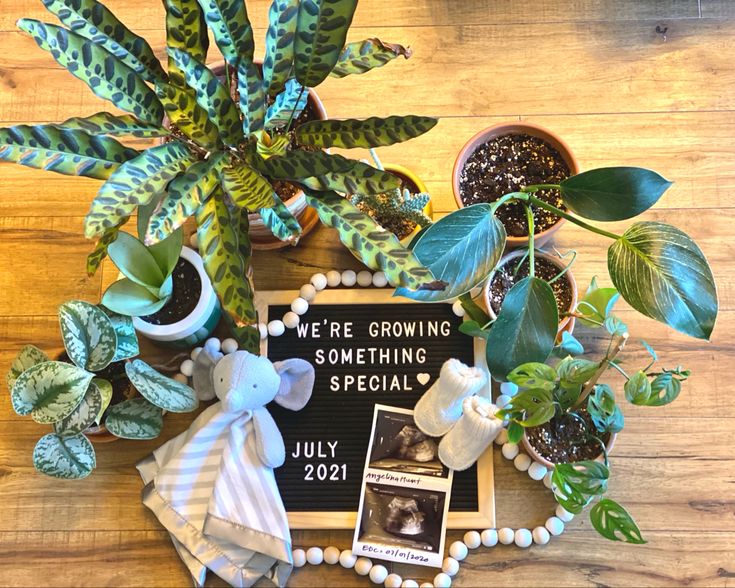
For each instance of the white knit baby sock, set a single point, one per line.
(472, 434)
(441, 406)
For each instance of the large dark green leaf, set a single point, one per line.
(135, 183)
(218, 246)
(104, 123)
(320, 36)
(613, 522)
(93, 21)
(362, 56)
(377, 248)
(190, 118)
(662, 273)
(613, 193)
(291, 101)
(252, 97)
(525, 329)
(106, 76)
(279, 44)
(231, 28)
(184, 196)
(281, 222)
(187, 30)
(247, 188)
(371, 132)
(70, 152)
(211, 95)
(461, 249)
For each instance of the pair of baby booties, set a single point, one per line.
(451, 409)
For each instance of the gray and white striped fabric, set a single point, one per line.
(221, 505)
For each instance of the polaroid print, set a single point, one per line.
(399, 446)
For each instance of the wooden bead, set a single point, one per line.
(315, 556)
(489, 537)
(229, 345)
(331, 555)
(334, 278)
(181, 378)
(457, 308)
(378, 574)
(276, 328)
(308, 292)
(547, 479)
(347, 559)
(194, 241)
(363, 566)
(541, 536)
(554, 525)
(410, 584)
(563, 514)
(472, 539)
(213, 345)
(426, 585)
(263, 329)
(450, 566)
(349, 278)
(291, 319)
(523, 538)
(522, 462)
(510, 450)
(537, 471)
(393, 581)
(506, 535)
(187, 367)
(319, 281)
(299, 558)
(299, 306)
(364, 278)
(380, 280)
(458, 550)
(442, 580)
(195, 353)
(502, 437)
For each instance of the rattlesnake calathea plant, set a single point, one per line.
(657, 268)
(75, 395)
(225, 146)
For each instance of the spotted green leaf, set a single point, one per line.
(135, 183)
(246, 188)
(190, 118)
(134, 419)
(321, 31)
(279, 44)
(248, 338)
(98, 254)
(164, 392)
(228, 20)
(83, 416)
(93, 21)
(613, 522)
(281, 222)
(371, 132)
(211, 95)
(105, 389)
(664, 275)
(70, 152)
(89, 337)
(304, 164)
(377, 248)
(106, 76)
(104, 123)
(187, 30)
(49, 391)
(252, 97)
(29, 356)
(362, 56)
(223, 262)
(127, 340)
(69, 458)
(290, 102)
(184, 196)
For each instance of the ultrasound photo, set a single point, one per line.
(399, 446)
(402, 517)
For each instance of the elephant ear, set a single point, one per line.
(203, 376)
(297, 383)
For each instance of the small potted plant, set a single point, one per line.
(503, 158)
(85, 395)
(165, 289)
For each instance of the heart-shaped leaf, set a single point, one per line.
(362, 56)
(613, 193)
(134, 419)
(83, 416)
(575, 372)
(473, 329)
(613, 522)
(525, 329)
(164, 392)
(70, 458)
(127, 340)
(371, 132)
(461, 249)
(89, 337)
(49, 391)
(662, 273)
(29, 356)
(596, 305)
(534, 375)
(279, 44)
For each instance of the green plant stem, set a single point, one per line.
(565, 270)
(536, 187)
(295, 106)
(531, 230)
(614, 365)
(558, 212)
(507, 198)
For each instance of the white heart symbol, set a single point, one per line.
(423, 378)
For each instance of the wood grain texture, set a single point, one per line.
(596, 72)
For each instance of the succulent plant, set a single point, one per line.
(72, 397)
(224, 146)
(148, 285)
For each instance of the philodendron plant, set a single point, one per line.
(569, 393)
(224, 146)
(658, 269)
(72, 397)
(148, 284)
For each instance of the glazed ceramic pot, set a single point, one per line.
(567, 323)
(515, 128)
(198, 325)
(536, 456)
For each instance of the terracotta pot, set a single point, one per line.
(406, 174)
(513, 128)
(534, 455)
(567, 323)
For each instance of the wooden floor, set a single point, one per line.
(629, 82)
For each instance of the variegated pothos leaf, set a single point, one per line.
(89, 337)
(70, 458)
(127, 340)
(134, 419)
(164, 392)
(83, 416)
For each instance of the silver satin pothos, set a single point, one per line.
(213, 487)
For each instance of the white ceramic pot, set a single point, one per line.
(198, 325)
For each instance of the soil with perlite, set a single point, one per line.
(187, 289)
(401, 228)
(506, 164)
(564, 439)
